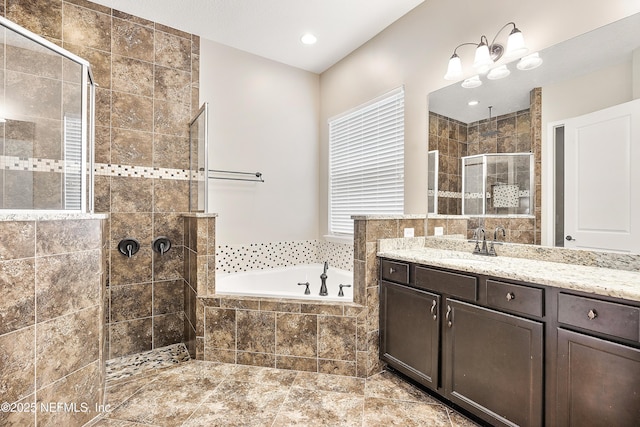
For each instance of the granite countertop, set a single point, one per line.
(596, 280)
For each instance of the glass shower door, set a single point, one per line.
(199, 160)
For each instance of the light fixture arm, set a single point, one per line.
(487, 54)
(463, 44)
(500, 30)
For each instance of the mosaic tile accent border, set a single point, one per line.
(521, 193)
(104, 169)
(126, 366)
(31, 164)
(458, 195)
(261, 256)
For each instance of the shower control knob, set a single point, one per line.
(128, 247)
(161, 245)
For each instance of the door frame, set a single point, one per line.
(548, 226)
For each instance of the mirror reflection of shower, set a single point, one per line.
(432, 195)
(497, 184)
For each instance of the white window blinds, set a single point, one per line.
(366, 162)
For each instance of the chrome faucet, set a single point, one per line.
(492, 250)
(476, 236)
(323, 278)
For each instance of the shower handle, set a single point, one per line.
(128, 247)
(161, 245)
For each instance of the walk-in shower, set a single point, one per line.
(46, 126)
(497, 184)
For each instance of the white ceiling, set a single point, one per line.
(272, 28)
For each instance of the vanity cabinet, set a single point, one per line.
(598, 374)
(512, 353)
(494, 364)
(439, 331)
(409, 332)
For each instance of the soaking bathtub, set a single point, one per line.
(283, 283)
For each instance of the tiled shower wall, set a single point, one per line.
(147, 76)
(52, 339)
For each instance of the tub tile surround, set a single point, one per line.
(367, 231)
(52, 338)
(278, 333)
(148, 79)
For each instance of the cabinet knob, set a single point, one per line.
(592, 314)
(433, 310)
(510, 296)
(392, 270)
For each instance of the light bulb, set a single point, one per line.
(529, 62)
(472, 82)
(482, 60)
(454, 69)
(515, 45)
(498, 73)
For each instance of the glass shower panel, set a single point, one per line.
(472, 185)
(498, 184)
(198, 161)
(44, 140)
(432, 181)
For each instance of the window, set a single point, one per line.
(366, 161)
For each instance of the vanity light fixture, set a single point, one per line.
(308, 39)
(529, 62)
(472, 82)
(499, 72)
(488, 53)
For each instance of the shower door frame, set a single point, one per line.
(195, 170)
(87, 95)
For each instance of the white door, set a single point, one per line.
(602, 179)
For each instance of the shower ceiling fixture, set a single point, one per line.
(488, 54)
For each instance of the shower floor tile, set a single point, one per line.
(197, 393)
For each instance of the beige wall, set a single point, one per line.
(263, 117)
(414, 52)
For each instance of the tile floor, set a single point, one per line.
(196, 393)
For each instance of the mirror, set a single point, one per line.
(514, 123)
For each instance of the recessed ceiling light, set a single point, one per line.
(309, 39)
(472, 103)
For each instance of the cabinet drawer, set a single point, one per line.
(609, 318)
(454, 284)
(395, 271)
(520, 299)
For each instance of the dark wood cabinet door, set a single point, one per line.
(409, 332)
(494, 364)
(598, 382)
